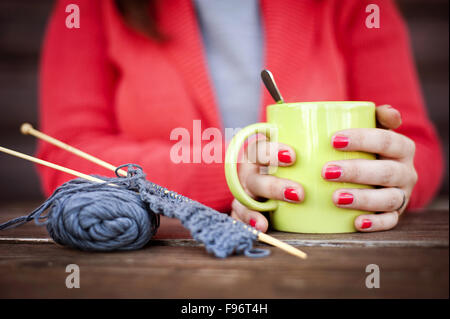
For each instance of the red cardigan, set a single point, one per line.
(116, 94)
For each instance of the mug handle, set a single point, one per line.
(231, 159)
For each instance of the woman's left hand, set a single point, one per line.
(394, 170)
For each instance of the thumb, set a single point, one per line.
(388, 117)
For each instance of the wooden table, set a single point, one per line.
(413, 262)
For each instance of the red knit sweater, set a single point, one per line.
(117, 95)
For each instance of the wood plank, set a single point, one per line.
(38, 271)
(175, 266)
(428, 228)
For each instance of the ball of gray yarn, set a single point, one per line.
(94, 216)
(100, 220)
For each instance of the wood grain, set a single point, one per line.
(428, 228)
(38, 271)
(413, 261)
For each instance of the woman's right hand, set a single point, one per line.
(254, 178)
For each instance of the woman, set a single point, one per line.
(136, 70)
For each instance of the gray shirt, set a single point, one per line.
(233, 41)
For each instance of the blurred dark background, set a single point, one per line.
(22, 26)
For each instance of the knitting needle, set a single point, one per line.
(28, 129)
(51, 165)
(271, 86)
(282, 245)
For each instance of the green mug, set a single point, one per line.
(306, 127)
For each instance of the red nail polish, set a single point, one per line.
(333, 172)
(291, 194)
(252, 222)
(366, 223)
(340, 141)
(284, 156)
(345, 199)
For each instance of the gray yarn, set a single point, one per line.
(100, 217)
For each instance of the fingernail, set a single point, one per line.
(291, 194)
(366, 223)
(284, 156)
(252, 222)
(345, 199)
(340, 141)
(333, 172)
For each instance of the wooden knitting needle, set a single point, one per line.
(51, 165)
(28, 129)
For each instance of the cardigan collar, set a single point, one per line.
(285, 23)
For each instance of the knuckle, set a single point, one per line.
(414, 176)
(250, 153)
(392, 220)
(387, 221)
(241, 174)
(382, 222)
(263, 170)
(386, 175)
(385, 141)
(356, 138)
(248, 191)
(243, 177)
(351, 172)
(393, 201)
(356, 172)
(247, 184)
(273, 189)
(234, 206)
(410, 147)
(273, 154)
(264, 151)
(361, 199)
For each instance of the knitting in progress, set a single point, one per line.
(122, 213)
(100, 217)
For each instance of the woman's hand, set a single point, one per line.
(257, 183)
(394, 170)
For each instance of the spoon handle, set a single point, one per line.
(271, 86)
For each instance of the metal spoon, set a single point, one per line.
(271, 86)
